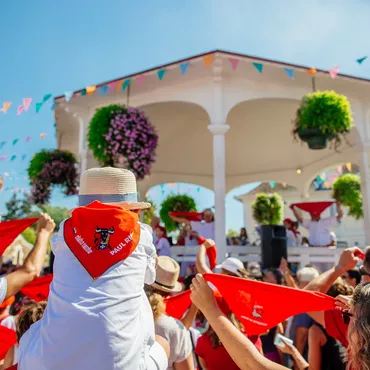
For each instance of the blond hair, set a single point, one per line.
(33, 312)
(156, 303)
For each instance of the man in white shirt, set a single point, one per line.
(319, 229)
(11, 284)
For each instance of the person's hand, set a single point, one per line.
(202, 295)
(209, 243)
(45, 224)
(344, 302)
(286, 347)
(283, 265)
(348, 259)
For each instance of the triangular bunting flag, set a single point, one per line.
(312, 71)
(68, 95)
(361, 60)
(38, 107)
(2, 158)
(42, 135)
(112, 86)
(26, 103)
(208, 60)
(161, 73)
(119, 85)
(46, 97)
(6, 106)
(103, 90)
(53, 105)
(13, 157)
(234, 63)
(19, 110)
(15, 141)
(272, 184)
(126, 84)
(24, 157)
(334, 72)
(28, 138)
(90, 89)
(140, 80)
(258, 66)
(2, 144)
(289, 72)
(184, 67)
(83, 92)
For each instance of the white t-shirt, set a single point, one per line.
(204, 229)
(3, 289)
(177, 336)
(9, 322)
(319, 232)
(163, 247)
(105, 323)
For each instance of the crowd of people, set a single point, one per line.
(115, 285)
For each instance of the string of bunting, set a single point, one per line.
(139, 80)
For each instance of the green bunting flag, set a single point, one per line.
(259, 67)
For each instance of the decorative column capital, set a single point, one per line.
(218, 128)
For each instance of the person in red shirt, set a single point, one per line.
(211, 353)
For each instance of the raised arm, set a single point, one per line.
(180, 220)
(339, 211)
(297, 215)
(35, 260)
(201, 263)
(239, 347)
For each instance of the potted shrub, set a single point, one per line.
(175, 203)
(123, 137)
(347, 190)
(268, 212)
(323, 116)
(52, 167)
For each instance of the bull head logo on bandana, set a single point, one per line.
(102, 236)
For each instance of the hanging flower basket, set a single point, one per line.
(52, 167)
(123, 137)
(323, 117)
(268, 209)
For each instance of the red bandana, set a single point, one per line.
(313, 208)
(7, 339)
(101, 235)
(9, 230)
(191, 216)
(256, 304)
(38, 289)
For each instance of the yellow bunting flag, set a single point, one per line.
(349, 166)
(208, 60)
(312, 71)
(119, 85)
(90, 89)
(42, 136)
(172, 185)
(6, 106)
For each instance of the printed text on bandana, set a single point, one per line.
(82, 243)
(121, 245)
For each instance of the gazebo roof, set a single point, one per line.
(259, 108)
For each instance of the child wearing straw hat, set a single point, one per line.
(98, 316)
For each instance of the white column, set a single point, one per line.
(82, 145)
(219, 178)
(365, 189)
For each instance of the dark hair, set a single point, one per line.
(32, 313)
(355, 274)
(277, 273)
(367, 259)
(339, 288)
(243, 232)
(210, 210)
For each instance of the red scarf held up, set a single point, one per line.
(7, 340)
(258, 306)
(313, 208)
(38, 289)
(211, 253)
(9, 230)
(190, 216)
(101, 235)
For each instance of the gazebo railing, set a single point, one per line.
(302, 255)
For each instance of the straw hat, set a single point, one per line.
(110, 185)
(167, 274)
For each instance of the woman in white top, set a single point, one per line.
(162, 245)
(204, 228)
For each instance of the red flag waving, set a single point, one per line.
(257, 305)
(9, 230)
(313, 208)
(191, 216)
(7, 339)
(38, 289)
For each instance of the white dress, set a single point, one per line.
(99, 324)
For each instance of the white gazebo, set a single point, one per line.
(225, 120)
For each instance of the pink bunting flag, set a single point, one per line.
(19, 110)
(113, 86)
(28, 138)
(26, 103)
(2, 158)
(234, 63)
(42, 135)
(140, 80)
(334, 72)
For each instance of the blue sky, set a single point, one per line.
(58, 46)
